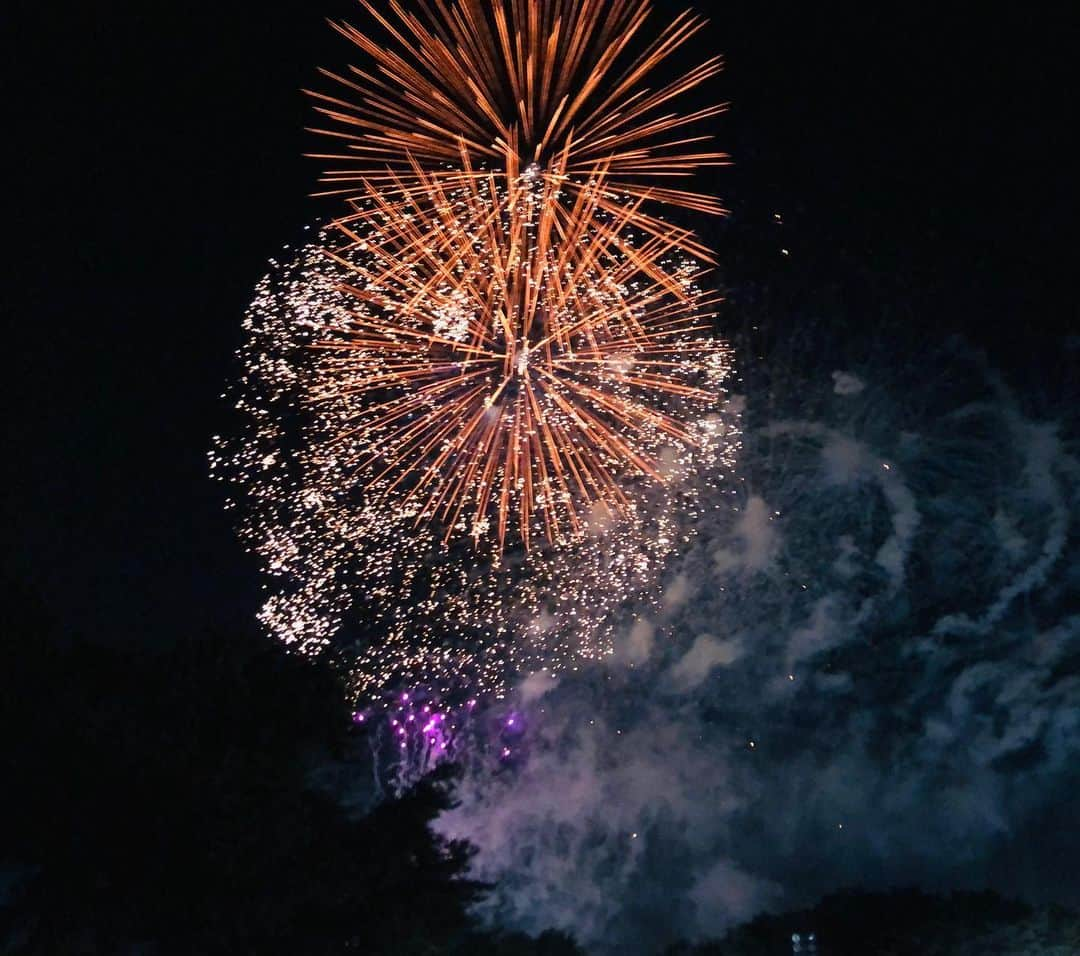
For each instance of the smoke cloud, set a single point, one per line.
(865, 668)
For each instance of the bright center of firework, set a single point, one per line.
(522, 364)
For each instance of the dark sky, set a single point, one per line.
(157, 153)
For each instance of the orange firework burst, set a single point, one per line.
(515, 360)
(520, 82)
(501, 341)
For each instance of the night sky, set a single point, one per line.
(919, 159)
(160, 166)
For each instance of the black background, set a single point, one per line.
(158, 164)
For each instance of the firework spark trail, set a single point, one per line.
(550, 83)
(504, 382)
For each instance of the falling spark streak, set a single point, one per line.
(522, 85)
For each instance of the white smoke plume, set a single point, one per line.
(864, 669)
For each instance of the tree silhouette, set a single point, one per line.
(159, 801)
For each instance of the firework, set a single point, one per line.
(483, 407)
(509, 361)
(553, 84)
(336, 498)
